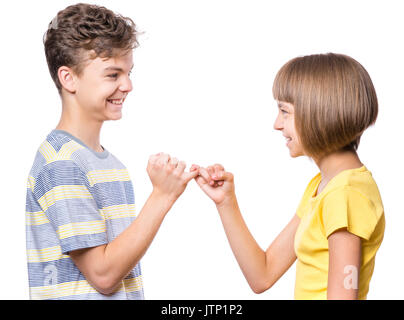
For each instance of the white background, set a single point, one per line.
(202, 92)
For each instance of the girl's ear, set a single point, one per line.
(67, 79)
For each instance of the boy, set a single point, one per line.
(83, 241)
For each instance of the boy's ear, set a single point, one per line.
(67, 79)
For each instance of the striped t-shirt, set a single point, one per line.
(76, 198)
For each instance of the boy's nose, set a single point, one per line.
(126, 85)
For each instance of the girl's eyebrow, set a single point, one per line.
(282, 105)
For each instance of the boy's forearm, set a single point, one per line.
(250, 257)
(125, 251)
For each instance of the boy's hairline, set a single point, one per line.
(91, 55)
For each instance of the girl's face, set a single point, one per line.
(285, 122)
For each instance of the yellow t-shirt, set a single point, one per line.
(350, 200)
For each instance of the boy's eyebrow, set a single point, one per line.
(116, 68)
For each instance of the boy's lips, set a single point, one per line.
(117, 101)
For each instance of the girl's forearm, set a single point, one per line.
(250, 257)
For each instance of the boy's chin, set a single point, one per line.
(114, 116)
(113, 112)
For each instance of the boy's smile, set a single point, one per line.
(103, 86)
(116, 103)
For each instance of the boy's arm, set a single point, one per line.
(107, 265)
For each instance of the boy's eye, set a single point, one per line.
(114, 75)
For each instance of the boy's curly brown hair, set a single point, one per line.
(83, 31)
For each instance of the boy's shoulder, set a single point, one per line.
(63, 161)
(61, 149)
(58, 147)
(54, 153)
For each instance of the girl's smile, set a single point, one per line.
(285, 122)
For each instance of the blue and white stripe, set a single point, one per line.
(76, 198)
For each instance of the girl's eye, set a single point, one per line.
(284, 111)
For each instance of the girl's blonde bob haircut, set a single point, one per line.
(334, 101)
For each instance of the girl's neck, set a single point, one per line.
(336, 162)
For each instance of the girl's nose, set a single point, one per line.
(278, 125)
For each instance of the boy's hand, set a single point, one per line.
(167, 175)
(216, 183)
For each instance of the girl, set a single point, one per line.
(325, 103)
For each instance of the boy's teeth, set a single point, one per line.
(116, 101)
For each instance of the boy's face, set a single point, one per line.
(103, 86)
(285, 122)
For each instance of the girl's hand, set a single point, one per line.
(216, 183)
(167, 176)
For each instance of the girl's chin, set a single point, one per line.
(295, 154)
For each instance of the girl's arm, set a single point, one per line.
(260, 268)
(344, 265)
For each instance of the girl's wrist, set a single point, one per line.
(228, 201)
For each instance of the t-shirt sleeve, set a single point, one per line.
(348, 208)
(63, 192)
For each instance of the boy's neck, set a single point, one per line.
(336, 162)
(82, 127)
